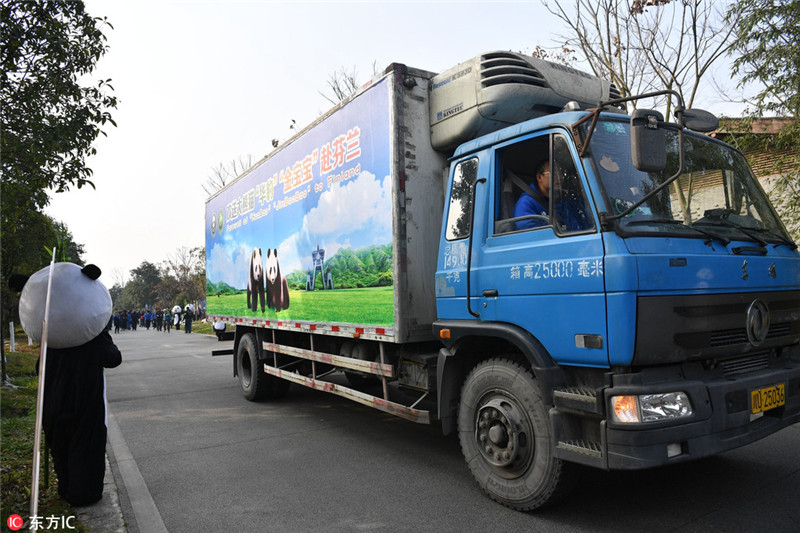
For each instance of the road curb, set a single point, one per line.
(145, 512)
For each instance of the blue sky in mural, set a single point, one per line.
(329, 188)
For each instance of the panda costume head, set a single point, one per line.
(80, 305)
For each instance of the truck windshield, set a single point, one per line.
(716, 196)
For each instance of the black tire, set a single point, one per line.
(256, 384)
(505, 436)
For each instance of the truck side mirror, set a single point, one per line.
(699, 120)
(648, 141)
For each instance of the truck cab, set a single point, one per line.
(654, 304)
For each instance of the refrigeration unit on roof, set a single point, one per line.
(497, 89)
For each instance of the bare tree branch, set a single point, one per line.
(342, 83)
(222, 174)
(644, 45)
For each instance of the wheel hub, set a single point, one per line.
(500, 432)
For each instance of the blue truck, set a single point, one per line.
(646, 312)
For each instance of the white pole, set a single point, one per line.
(40, 396)
(12, 347)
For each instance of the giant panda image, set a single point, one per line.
(255, 281)
(74, 413)
(277, 288)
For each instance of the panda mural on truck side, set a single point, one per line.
(277, 288)
(255, 281)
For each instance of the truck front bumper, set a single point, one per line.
(723, 417)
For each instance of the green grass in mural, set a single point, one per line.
(373, 305)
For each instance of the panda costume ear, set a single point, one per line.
(91, 271)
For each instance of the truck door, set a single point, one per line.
(541, 264)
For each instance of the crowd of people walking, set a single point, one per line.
(159, 319)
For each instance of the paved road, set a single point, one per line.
(195, 456)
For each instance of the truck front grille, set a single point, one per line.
(743, 365)
(675, 328)
(730, 337)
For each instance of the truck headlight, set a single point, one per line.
(631, 409)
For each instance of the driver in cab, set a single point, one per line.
(529, 205)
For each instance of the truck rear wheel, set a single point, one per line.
(505, 437)
(255, 383)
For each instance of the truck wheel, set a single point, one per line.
(255, 383)
(505, 436)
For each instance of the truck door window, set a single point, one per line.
(540, 187)
(516, 209)
(571, 213)
(459, 217)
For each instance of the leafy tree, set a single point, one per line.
(767, 56)
(49, 120)
(115, 291)
(27, 248)
(142, 289)
(183, 277)
(66, 249)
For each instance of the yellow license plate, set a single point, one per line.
(767, 398)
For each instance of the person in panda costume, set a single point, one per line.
(74, 415)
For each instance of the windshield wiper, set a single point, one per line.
(775, 235)
(725, 241)
(728, 224)
(722, 216)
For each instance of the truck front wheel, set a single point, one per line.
(505, 436)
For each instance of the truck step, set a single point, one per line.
(581, 451)
(577, 399)
(582, 446)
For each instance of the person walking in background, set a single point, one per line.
(176, 314)
(167, 321)
(188, 315)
